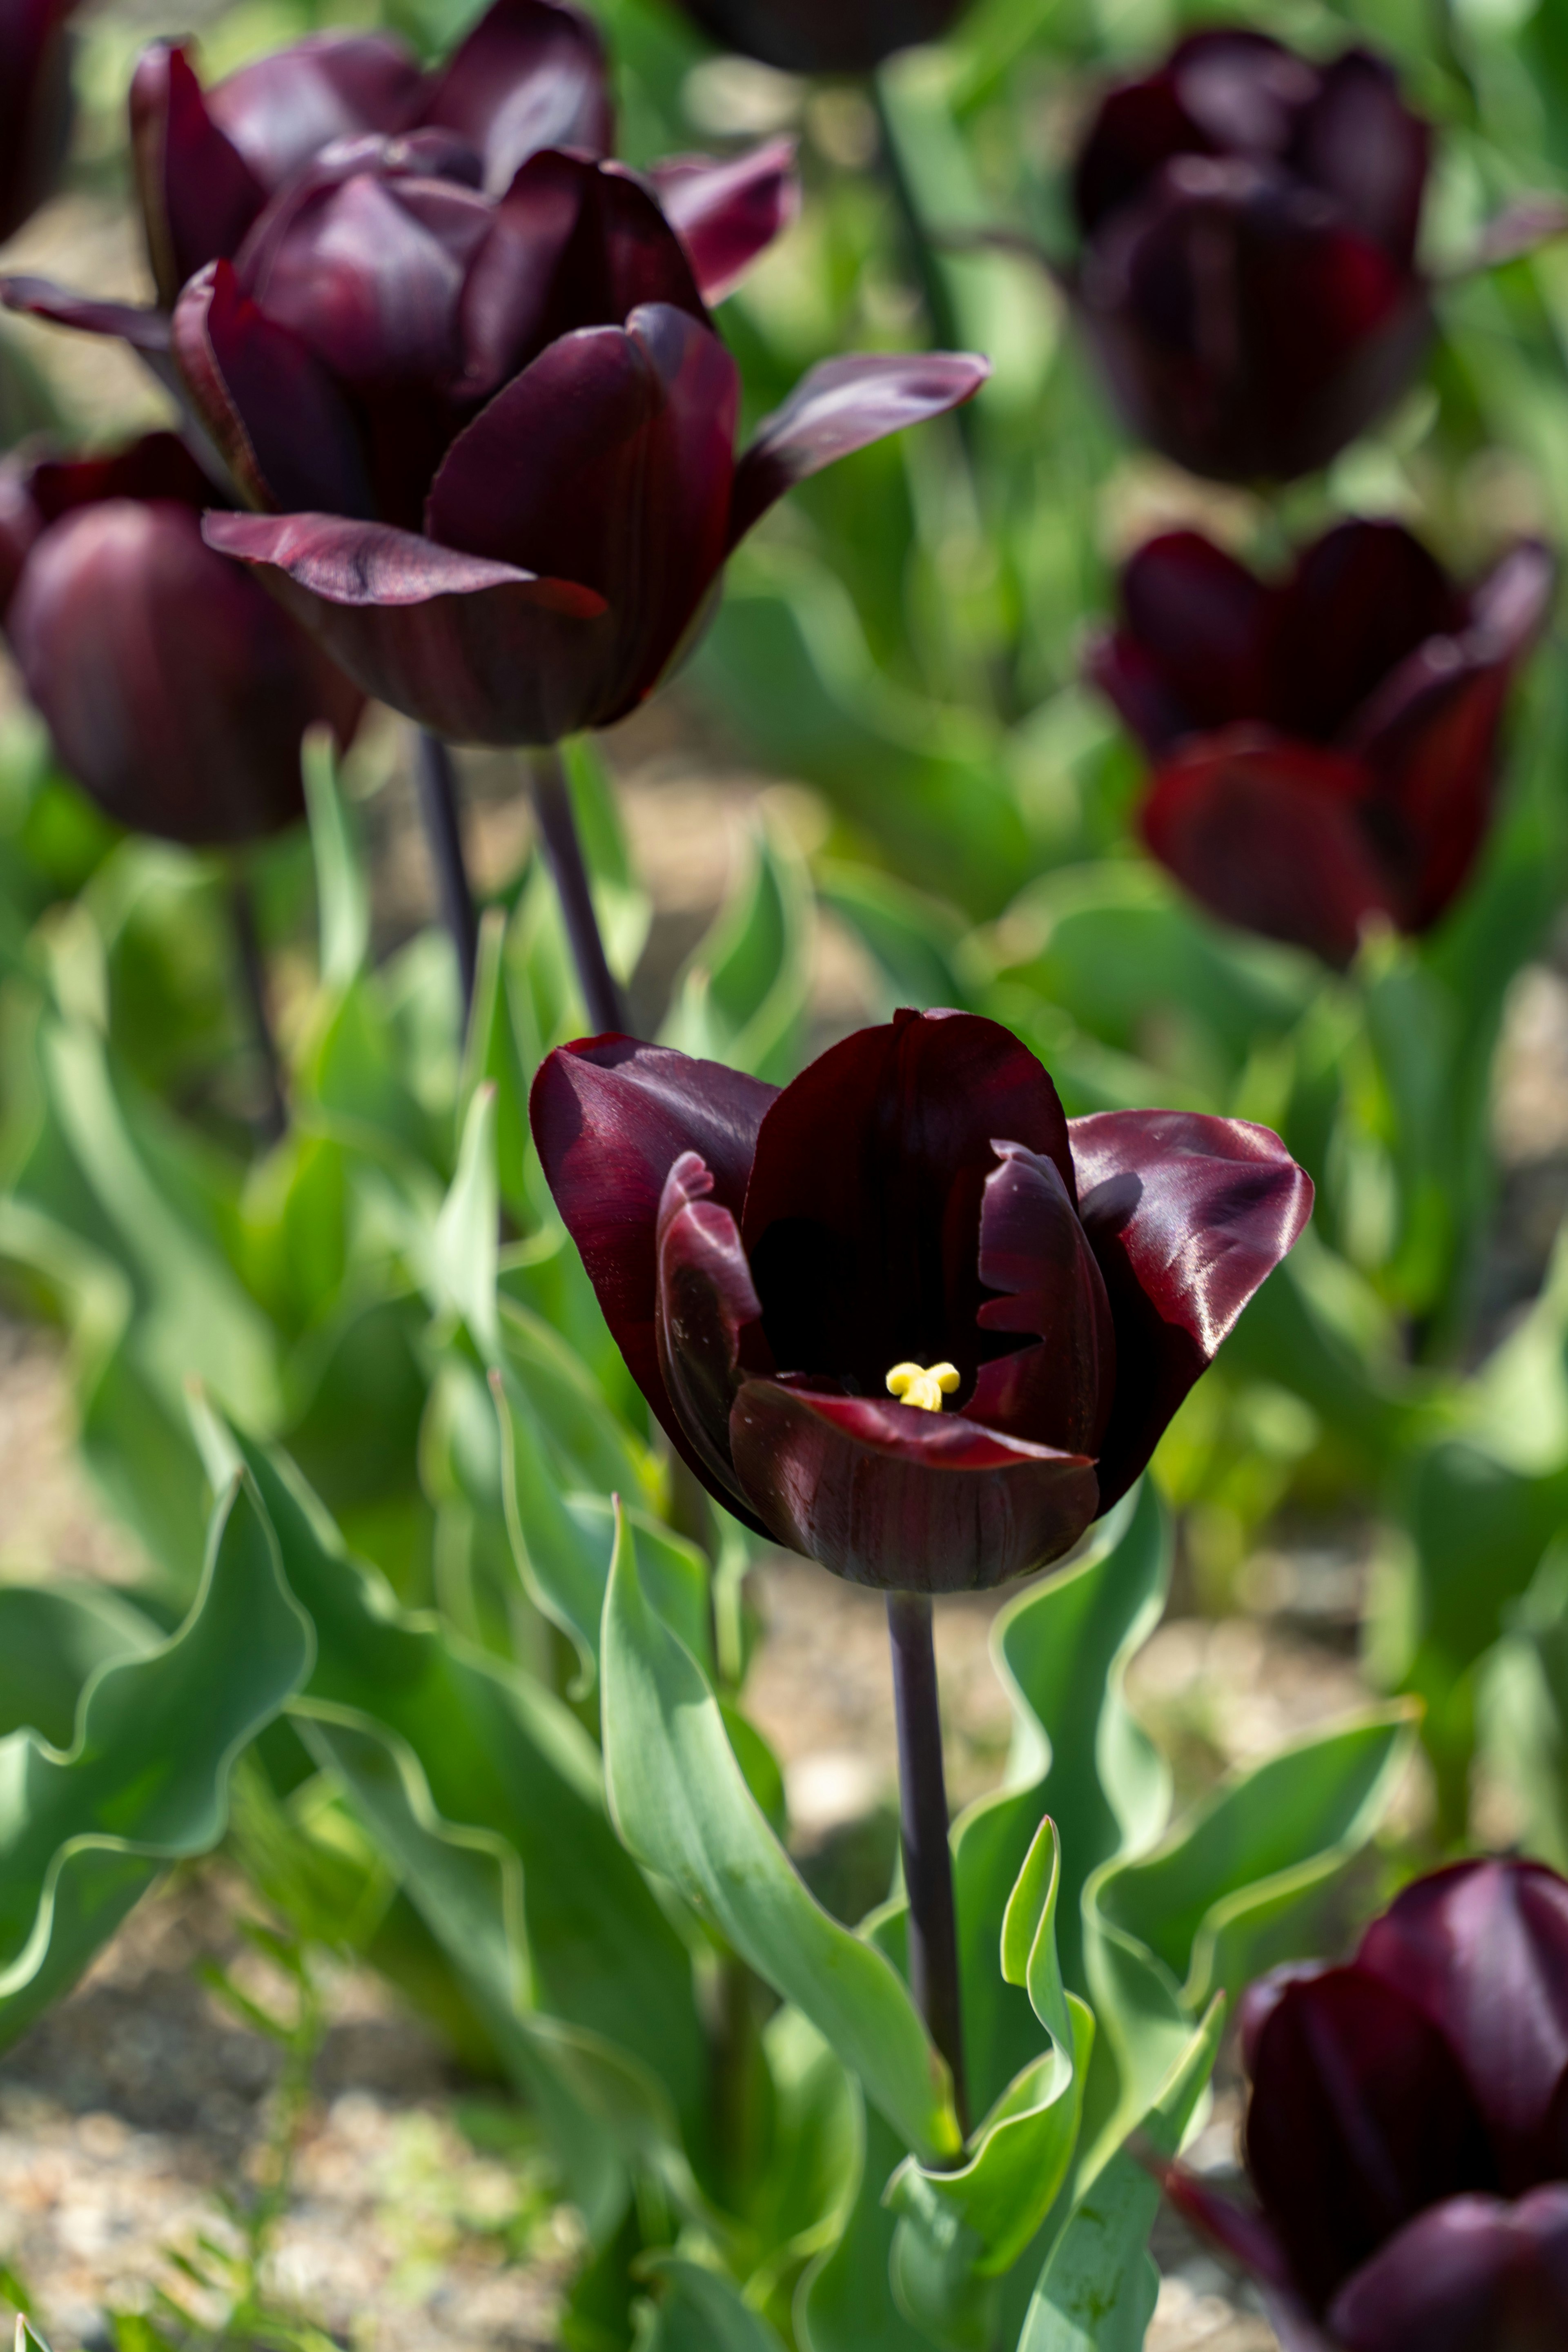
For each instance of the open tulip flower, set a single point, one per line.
(1247, 274)
(175, 689)
(1325, 747)
(35, 104)
(1407, 2132)
(905, 1317)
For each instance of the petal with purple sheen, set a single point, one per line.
(1363, 597)
(1187, 1217)
(1204, 621)
(862, 1217)
(281, 422)
(726, 214)
(1263, 1997)
(198, 194)
(705, 1303)
(1035, 1254)
(608, 461)
(1472, 2274)
(1482, 1949)
(530, 75)
(473, 649)
(571, 243)
(907, 1501)
(841, 406)
(146, 331)
(283, 109)
(1269, 834)
(175, 691)
(1140, 126)
(610, 1119)
(1362, 144)
(1359, 2118)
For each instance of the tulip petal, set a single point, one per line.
(1187, 1217)
(885, 1495)
(1482, 1949)
(610, 1119)
(1036, 1253)
(608, 462)
(1201, 620)
(1429, 736)
(35, 106)
(841, 406)
(1246, 2235)
(726, 214)
(862, 1216)
(1359, 2118)
(284, 429)
(530, 75)
(158, 465)
(705, 1302)
(145, 329)
(1362, 144)
(198, 194)
(1472, 2274)
(571, 243)
(282, 109)
(1268, 833)
(470, 648)
(1363, 597)
(819, 37)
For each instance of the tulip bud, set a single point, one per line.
(1247, 277)
(174, 689)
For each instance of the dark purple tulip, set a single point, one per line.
(175, 689)
(818, 36)
(915, 1204)
(35, 104)
(1407, 2133)
(1324, 747)
(1247, 274)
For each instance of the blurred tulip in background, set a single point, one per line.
(35, 104)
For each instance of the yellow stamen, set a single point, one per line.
(912, 1384)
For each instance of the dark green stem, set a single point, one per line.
(273, 1119)
(439, 806)
(602, 996)
(927, 1856)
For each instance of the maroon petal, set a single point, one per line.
(1482, 1951)
(34, 105)
(1187, 1215)
(198, 195)
(1034, 1251)
(1363, 597)
(159, 465)
(1136, 687)
(909, 1501)
(280, 111)
(1429, 735)
(610, 1119)
(20, 523)
(475, 650)
(38, 298)
(1246, 2236)
(1359, 2118)
(727, 213)
(705, 1302)
(283, 428)
(175, 691)
(530, 75)
(1224, 92)
(1269, 834)
(862, 1216)
(1263, 1997)
(1204, 621)
(1472, 2274)
(841, 406)
(608, 461)
(571, 243)
(1359, 142)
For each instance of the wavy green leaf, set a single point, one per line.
(698, 2310)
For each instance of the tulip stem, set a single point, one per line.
(601, 997)
(273, 1118)
(437, 787)
(926, 262)
(927, 1856)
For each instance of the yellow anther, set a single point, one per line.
(912, 1384)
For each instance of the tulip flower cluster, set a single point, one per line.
(1407, 2134)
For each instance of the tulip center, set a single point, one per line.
(912, 1384)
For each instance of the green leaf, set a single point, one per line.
(698, 2310)
(343, 896)
(743, 994)
(681, 1803)
(463, 1250)
(53, 1639)
(84, 1834)
(845, 2302)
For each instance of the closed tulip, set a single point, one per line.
(1249, 275)
(35, 104)
(175, 689)
(1407, 2130)
(905, 1317)
(1324, 747)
